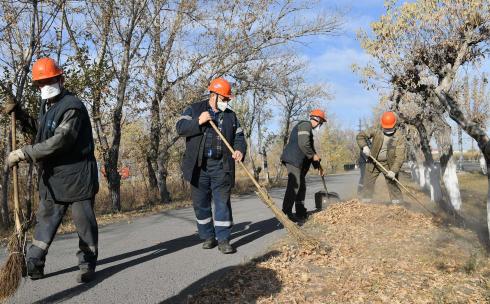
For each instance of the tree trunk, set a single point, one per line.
(154, 142)
(5, 185)
(113, 180)
(487, 161)
(416, 164)
(256, 170)
(431, 172)
(152, 178)
(448, 169)
(266, 167)
(162, 178)
(483, 165)
(460, 143)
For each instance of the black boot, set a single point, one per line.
(35, 270)
(209, 243)
(291, 217)
(301, 212)
(85, 274)
(225, 247)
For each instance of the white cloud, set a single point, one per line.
(337, 60)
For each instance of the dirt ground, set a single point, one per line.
(381, 254)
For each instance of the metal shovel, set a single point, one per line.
(325, 197)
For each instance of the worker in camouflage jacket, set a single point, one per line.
(388, 148)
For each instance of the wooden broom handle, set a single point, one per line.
(18, 226)
(233, 151)
(378, 164)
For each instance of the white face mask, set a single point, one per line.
(389, 132)
(222, 106)
(50, 90)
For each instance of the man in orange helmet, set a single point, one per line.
(64, 153)
(209, 166)
(389, 148)
(298, 155)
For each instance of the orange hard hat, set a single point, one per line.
(220, 86)
(388, 120)
(45, 68)
(318, 113)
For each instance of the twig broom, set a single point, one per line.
(12, 271)
(291, 227)
(379, 165)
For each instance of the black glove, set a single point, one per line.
(316, 164)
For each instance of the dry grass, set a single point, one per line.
(474, 195)
(381, 254)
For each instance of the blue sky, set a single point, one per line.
(331, 59)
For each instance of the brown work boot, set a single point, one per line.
(209, 243)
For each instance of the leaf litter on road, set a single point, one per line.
(380, 254)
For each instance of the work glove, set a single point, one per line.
(9, 106)
(15, 157)
(391, 175)
(366, 151)
(316, 164)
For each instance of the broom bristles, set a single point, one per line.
(11, 271)
(291, 227)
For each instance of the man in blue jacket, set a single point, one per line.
(209, 166)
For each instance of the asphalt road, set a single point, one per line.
(158, 259)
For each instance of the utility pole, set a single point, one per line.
(460, 141)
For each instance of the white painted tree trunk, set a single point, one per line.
(483, 165)
(433, 183)
(421, 175)
(413, 171)
(451, 183)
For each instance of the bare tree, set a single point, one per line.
(17, 51)
(423, 50)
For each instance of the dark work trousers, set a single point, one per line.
(362, 170)
(48, 219)
(295, 190)
(370, 177)
(212, 183)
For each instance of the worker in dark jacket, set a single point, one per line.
(387, 146)
(298, 155)
(209, 166)
(64, 153)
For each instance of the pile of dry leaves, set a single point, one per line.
(381, 254)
